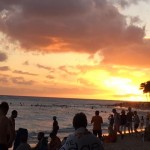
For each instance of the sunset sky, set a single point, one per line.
(96, 49)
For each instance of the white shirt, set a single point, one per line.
(82, 139)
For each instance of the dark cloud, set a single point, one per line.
(4, 68)
(3, 80)
(69, 25)
(45, 67)
(26, 63)
(67, 69)
(21, 81)
(24, 72)
(126, 3)
(50, 77)
(3, 57)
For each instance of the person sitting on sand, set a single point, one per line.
(97, 121)
(55, 143)
(112, 135)
(42, 142)
(82, 138)
(24, 145)
(55, 125)
(6, 136)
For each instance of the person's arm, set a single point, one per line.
(92, 120)
(10, 133)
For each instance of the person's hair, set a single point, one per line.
(40, 135)
(52, 134)
(14, 112)
(114, 110)
(129, 108)
(97, 112)
(54, 117)
(23, 135)
(123, 112)
(135, 112)
(4, 107)
(79, 120)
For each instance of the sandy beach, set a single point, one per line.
(130, 142)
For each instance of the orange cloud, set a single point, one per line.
(81, 26)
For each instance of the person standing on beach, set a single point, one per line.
(136, 122)
(123, 121)
(14, 115)
(5, 129)
(142, 123)
(97, 121)
(111, 120)
(81, 139)
(129, 120)
(117, 122)
(55, 125)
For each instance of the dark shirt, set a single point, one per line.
(129, 116)
(123, 119)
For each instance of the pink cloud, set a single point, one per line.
(3, 57)
(80, 26)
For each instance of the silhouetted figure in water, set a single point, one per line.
(55, 125)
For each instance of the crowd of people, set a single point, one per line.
(82, 138)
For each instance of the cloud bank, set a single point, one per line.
(75, 25)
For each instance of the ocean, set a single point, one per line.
(36, 113)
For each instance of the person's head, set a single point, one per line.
(79, 120)
(135, 112)
(114, 110)
(52, 135)
(40, 135)
(129, 109)
(54, 117)
(123, 112)
(96, 112)
(4, 107)
(14, 113)
(24, 136)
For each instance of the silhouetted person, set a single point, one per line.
(23, 142)
(129, 120)
(123, 121)
(117, 122)
(111, 120)
(55, 142)
(97, 121)
(22, 134)
(5, 129)
(55, 125)
(14, 115)
(136, 122)
(81, 138)
(42, 142)
(142, 123)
